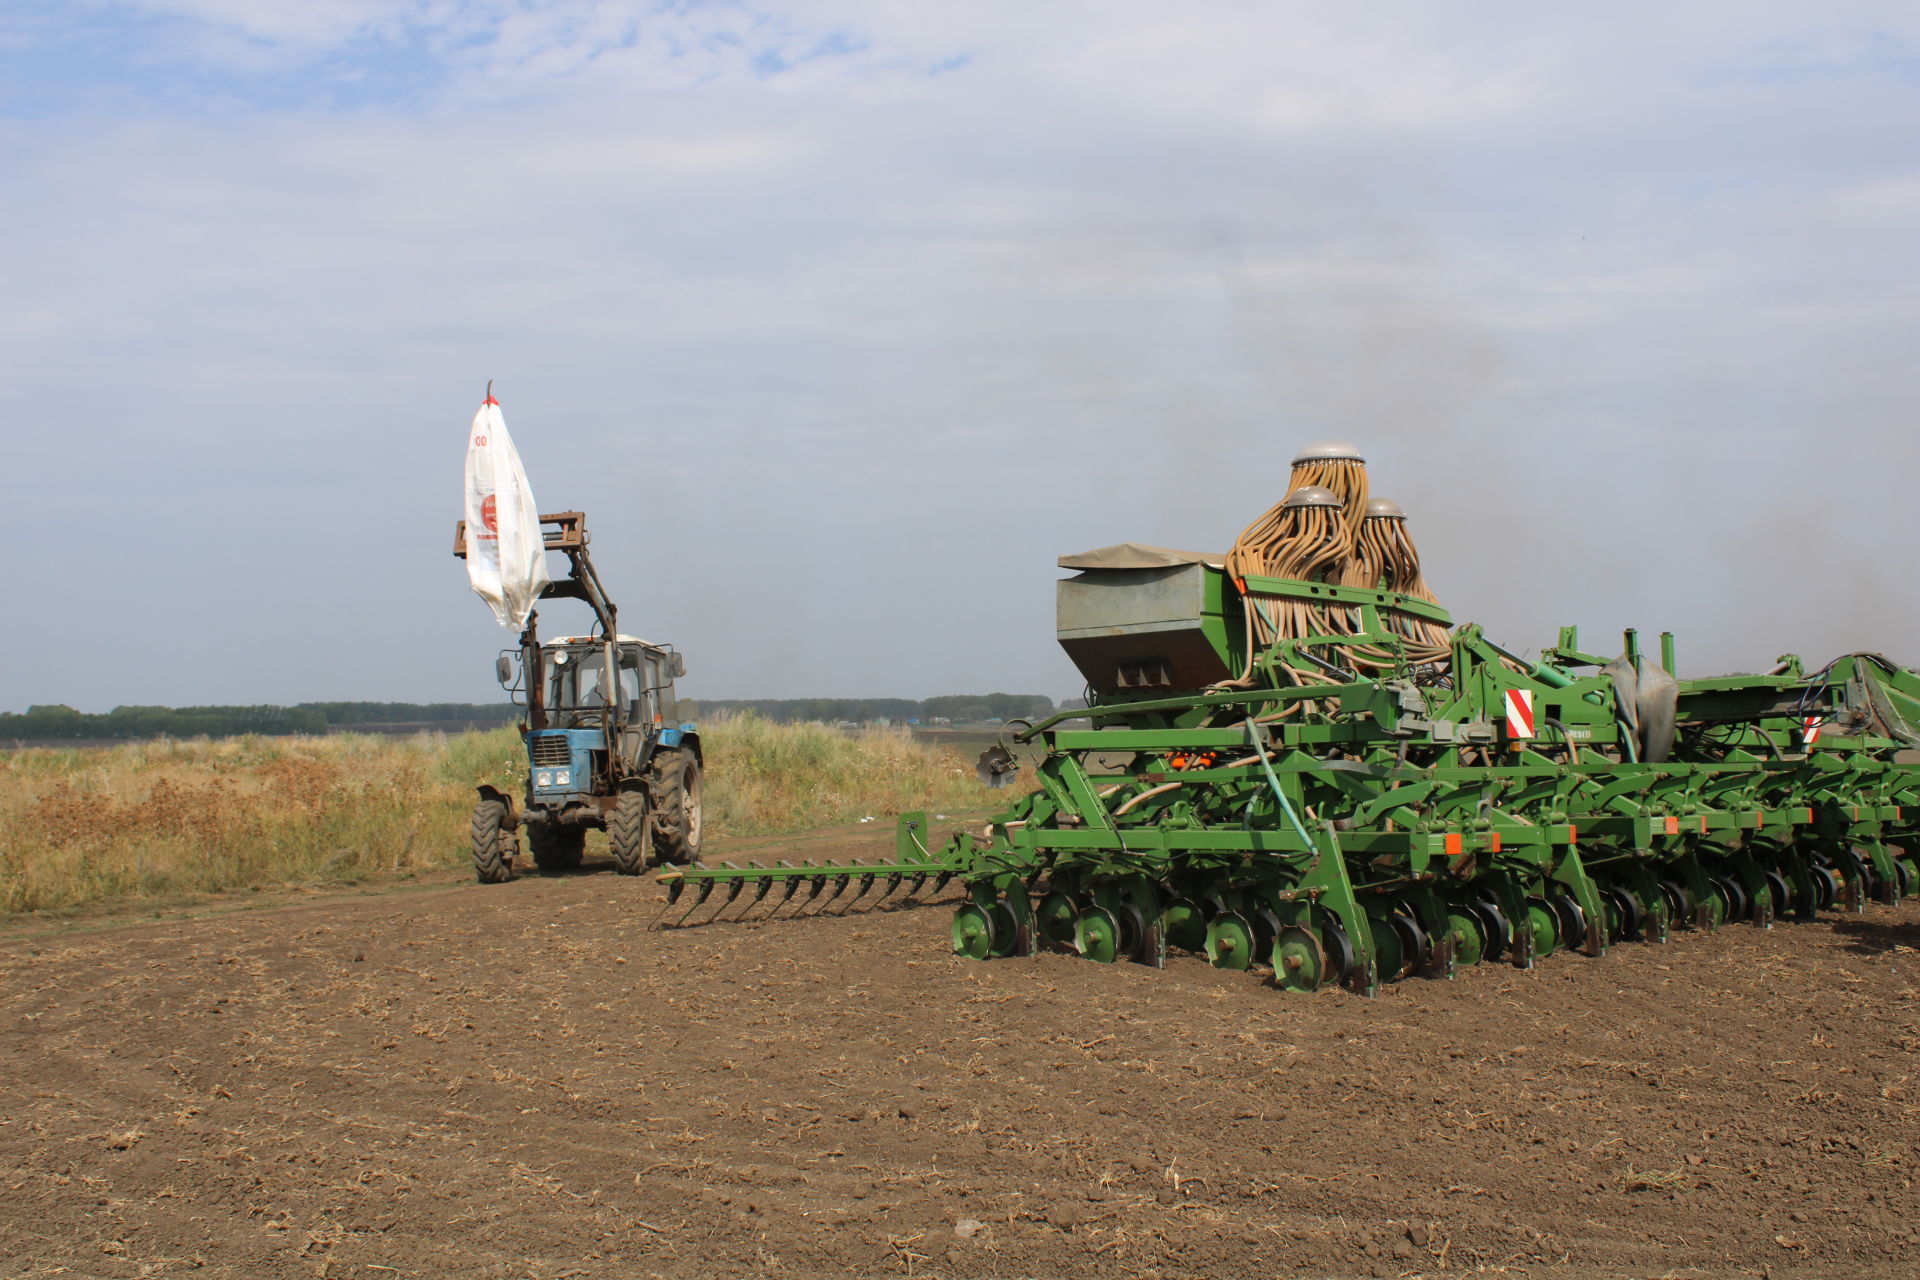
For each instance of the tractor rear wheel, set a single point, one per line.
(676, 806)
(555, 848)
(627, 832)
(494, 844)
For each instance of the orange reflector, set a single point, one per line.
(1493, 841)
(1673, 826)
(1573, 834)
(1453, 843)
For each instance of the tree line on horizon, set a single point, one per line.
(60, 723)
(961, 708)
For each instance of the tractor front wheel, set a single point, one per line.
(556, 849)
(676, 806)
(627, 832)
(494, 843)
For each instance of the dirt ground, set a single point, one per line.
(523, 1081)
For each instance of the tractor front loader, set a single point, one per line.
(601, 752)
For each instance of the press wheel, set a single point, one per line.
(1097, 935)
(1184, 924)
(1469, 944)
(973, 931)
(1230, 941)
(1055, 918)
(1299, 961)
(1545, 927)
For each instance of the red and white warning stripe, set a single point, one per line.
(1810, 730)
(1519, 713)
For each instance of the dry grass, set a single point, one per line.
(162, 820)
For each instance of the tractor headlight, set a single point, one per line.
(562, 778)
(544, 778)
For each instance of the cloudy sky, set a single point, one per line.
(843, 319)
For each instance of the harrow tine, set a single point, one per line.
(893, 884)
(761, 885)
(734, 891)
(707, 887)
(919, 879)
(789, 885)
(674, 888)
(860, 884)
(700, 896)
(866, 886)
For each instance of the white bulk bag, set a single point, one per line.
(506, 554)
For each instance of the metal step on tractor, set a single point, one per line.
(601, 753)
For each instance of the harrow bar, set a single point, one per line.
(911, 867)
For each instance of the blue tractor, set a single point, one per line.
(604, 749)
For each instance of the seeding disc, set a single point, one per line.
(1826, 887)
(1097, 935)
(1299, 962)
(1621, 924)
(1853, 866)
(1719, 906)
(1679, 902)
(972, 932)
(1230, 941)
(1133, 930)
(1388, 954)
(1494, 927)
(1339, 949)
(1633, 912)
(1414, 948)
(1006, 929)
(1781, 892)
(1468, 943)
(1659, 916)
(1185, 924)
(1733, 896)
(1266, 931)
(1055, 918)
(1571, 919)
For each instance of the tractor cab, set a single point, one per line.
(577, 693)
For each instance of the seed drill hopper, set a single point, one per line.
(1293, 759)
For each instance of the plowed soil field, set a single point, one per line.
(524, 1081)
